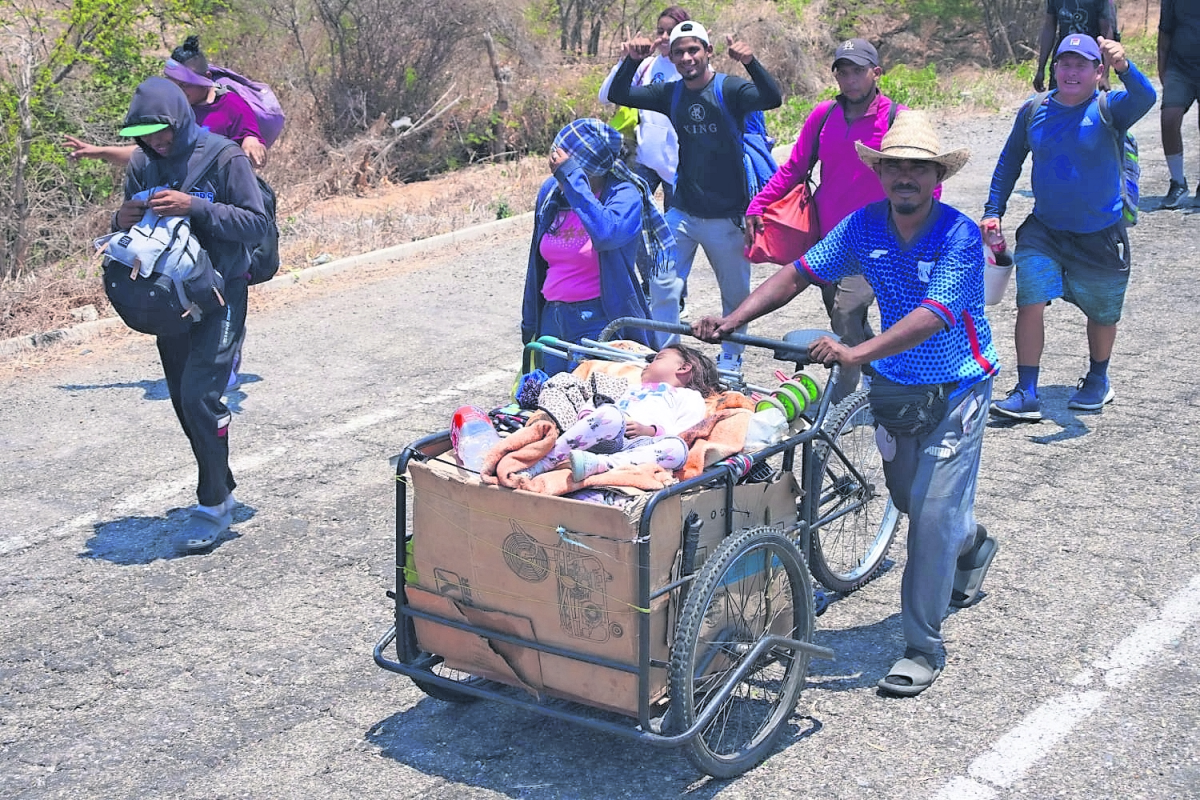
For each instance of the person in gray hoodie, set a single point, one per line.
(226, 213)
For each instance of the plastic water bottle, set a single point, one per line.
(999, 266)
(472, 435)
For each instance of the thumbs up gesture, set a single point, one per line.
(638, 48)
(739, 51)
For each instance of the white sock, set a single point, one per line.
(224, 507)
(1175, 167)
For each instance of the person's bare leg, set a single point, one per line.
(1100, 340)
(1171, 120)
(1030, 334)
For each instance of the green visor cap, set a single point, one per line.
(144, 129)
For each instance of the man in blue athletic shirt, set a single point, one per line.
(1074, 245)
(933, 366)
(711, 193)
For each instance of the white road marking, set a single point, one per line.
(167, 490)
(1016, 751)
(388, 414)
(966, 789)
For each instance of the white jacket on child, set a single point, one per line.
(658, 144)
(670, 409)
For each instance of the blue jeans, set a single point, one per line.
(570, 322)
(933, 480)
(724, 245)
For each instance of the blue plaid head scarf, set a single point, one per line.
(596, 147)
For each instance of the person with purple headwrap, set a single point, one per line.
(592, 217)
(216, 109)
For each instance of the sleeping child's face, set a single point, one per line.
(669, 367)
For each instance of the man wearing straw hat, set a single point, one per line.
(933, 364)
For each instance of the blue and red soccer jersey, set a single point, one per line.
(941, 270)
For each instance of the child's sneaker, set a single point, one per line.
(1018, 405)
(585, 464)
(729, 364)
(1092, 394)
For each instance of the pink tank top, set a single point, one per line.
(572, 266)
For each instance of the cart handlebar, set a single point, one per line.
(796, 351)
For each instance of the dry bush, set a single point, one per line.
(43, 301)
(795, 51)
(348, 225)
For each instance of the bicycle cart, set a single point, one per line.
(682, 618)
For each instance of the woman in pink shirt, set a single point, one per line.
(593, 218)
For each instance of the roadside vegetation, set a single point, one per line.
(381, 93)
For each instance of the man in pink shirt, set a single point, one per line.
(860, 113)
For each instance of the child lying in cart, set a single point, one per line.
(644, 424)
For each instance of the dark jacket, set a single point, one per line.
(227, 212)
(614, 223)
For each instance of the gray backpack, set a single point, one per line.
(158, 278)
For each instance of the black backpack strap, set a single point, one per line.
(1106, 112)
(208, 149)
(812, 161)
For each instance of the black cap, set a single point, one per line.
(858, 51)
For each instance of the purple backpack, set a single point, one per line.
(259, 96)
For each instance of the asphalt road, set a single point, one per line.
(127, 671)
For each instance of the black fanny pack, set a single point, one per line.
(908, 409)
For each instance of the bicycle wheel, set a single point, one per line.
(755, 584)
(436, 666)
(856, 520)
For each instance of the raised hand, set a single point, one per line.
(639, 47)
(739, 51)
(1113, 53)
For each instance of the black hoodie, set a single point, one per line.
(227, 213)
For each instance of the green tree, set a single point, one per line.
(67, 67)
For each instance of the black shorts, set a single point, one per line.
(1180, 89)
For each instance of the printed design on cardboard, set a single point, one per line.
(525, 557)
(581, 578)
(452, 585)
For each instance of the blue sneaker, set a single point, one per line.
(729, 364)
(1092, 394)
(1018, 405)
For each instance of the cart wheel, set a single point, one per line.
(755, 584)
(436, 666)
(856, 520)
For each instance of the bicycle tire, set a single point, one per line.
(849, 551)
(714, 632)
(435, 665)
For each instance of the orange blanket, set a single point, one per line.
(719, 435)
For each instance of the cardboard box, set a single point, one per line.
(559, 572)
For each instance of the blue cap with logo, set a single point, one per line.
(1080, 43)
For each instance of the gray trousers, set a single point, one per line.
(932, 479)
(724, 245)
(848, 301)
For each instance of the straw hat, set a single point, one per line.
(912, 137)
